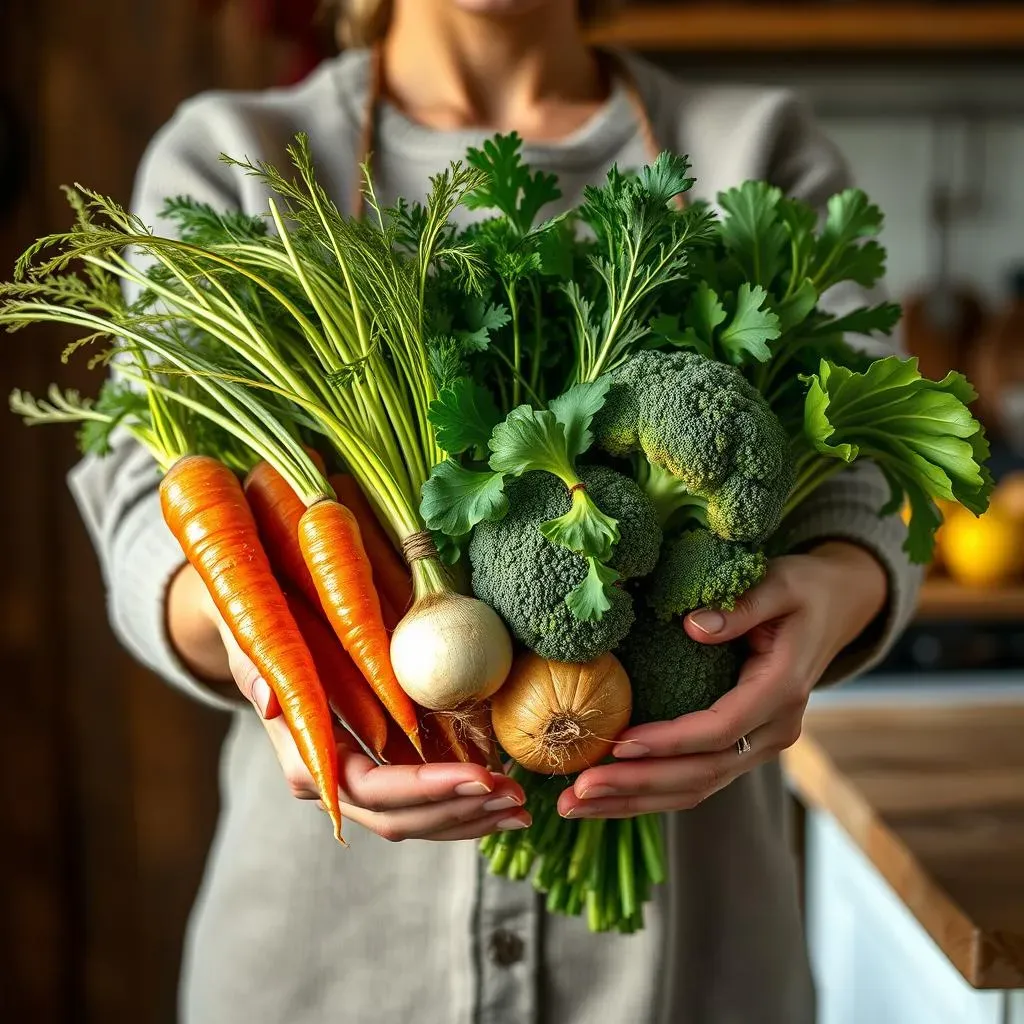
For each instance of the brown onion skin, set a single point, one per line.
(558, 718)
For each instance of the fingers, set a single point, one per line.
(397, 802)
(391, 787)
(247, 677)
(500, 822)
(769, 600)
(670, 784)
(463, 818)
(771, 683)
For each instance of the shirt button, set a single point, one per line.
(506, 948)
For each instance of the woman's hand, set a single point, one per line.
(808, 609)
(426, 801)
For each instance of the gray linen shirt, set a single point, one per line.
(289, 927)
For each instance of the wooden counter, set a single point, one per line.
(934, 796)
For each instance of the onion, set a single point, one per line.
(557, 718)
(450, 651)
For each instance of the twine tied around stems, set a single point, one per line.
(418, 546)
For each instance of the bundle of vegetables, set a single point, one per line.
(597, 422)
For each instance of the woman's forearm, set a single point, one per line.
(193, 632)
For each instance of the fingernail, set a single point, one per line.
(631, 750)
(511, 824)
(595, 792)
(472, 789)
(708, 622)
(500, 803)
(261, 695)
(578, 812)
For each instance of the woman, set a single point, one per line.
(290, 927)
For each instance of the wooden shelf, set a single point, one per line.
(944, 600)
(790, 28)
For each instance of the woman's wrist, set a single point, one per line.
(193, 629)
(861, 589)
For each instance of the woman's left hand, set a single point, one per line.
(807, 609)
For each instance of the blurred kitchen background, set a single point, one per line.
(108, 778)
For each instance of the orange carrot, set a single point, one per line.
(347, 691)
(389, 570)
(334, 553)
(277, 510)
(205, 508)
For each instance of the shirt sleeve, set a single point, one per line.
(117, 494)
(807, 165)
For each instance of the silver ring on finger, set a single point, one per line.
(742, 746)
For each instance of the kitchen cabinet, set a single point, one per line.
(763, 28)
(914, 854)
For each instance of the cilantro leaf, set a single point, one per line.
(482, 320)
(851, 218)
(797, 307)
(589, 601)
(704, 315)
(508, 184)
(750, 329)
(463, 416)
(454, 499)
(752, 231)
(881, 319)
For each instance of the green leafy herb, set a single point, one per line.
(463, 415)
(919, 432)
(454, 499)
(589, 601)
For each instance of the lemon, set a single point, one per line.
(983, 552)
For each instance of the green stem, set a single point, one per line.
(513, 305)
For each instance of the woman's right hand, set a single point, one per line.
(425, 801)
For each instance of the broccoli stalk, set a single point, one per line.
(673, 503)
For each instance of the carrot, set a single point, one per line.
(205, 508)
(389, 570)
(333, 550)
(277, 510)
(442, 741)
(347, 691)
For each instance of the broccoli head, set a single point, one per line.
(672, 675)
(712, 441)
(526, 578)
(698, 569)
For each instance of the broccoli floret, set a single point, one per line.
(712, 440)
(672, 675)
(700, 570)
(526, 578)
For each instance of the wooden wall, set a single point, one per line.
(107, 777)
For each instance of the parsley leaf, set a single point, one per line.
(509, 185)
(750, 329)
(463, 416)
(753, 234)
